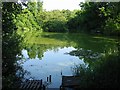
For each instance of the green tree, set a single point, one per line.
(10, 44)
(97, 17)
(55, 21)
(29, 22)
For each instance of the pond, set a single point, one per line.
(57, 54)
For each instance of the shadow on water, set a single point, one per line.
(105, 73)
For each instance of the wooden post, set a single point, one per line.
(47, 79)
(41, 82)
(50, 78)
(43, 87)
(61, 72)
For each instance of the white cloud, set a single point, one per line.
(61, 4)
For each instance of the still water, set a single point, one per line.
(57, 54)
(54, 63)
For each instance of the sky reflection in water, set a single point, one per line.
(52, 63)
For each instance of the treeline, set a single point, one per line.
(94, 17)
(33, 18)
(100, 17)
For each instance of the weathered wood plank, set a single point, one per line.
(24, 85)
(39, 85)
(32, 84)
(28, 84)
(35, 84)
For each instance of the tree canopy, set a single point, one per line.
(23, 20)
(94, 17)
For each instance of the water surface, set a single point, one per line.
(55, 63)
(56, 54)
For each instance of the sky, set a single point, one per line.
(61, 4)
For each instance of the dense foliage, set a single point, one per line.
(29, 20)
(100, 17)
(103, 74)
(10, 44)
(20, 23)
